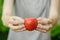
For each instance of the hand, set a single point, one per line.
(44, 24)
(16, 23)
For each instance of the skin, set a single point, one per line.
(52, 19)
(9, 20)
(8, 5)
(44, 24)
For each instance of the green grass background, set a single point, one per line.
(55, 31)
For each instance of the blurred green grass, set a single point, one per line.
(55, 31)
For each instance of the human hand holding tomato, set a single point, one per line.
(44, 24)
(16, 24)
(40, 24)
(30, 24)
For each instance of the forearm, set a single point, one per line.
(7, 7)
(53, 15)
(54, 11)
(7, 10)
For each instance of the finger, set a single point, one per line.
(21, 27)
(40, 19)
(43, 22)
(12, 21)
(19, 20)
(20, 30)
(40, 26)
(15, 27)
(47, 27)
(43, 27)
(44, 31)
(16, 20)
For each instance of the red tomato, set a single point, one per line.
(30, 23)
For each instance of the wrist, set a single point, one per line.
(54, 21)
